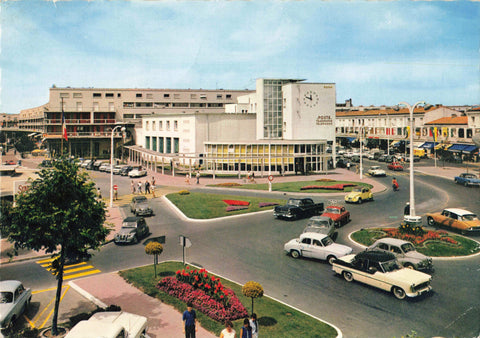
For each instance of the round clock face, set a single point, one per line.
(310, 98)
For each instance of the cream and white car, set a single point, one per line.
(382, 270)
(376, 170)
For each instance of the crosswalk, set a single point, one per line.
(70, 271)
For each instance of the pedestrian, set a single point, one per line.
(252, 178)
(357, 169)
(115, 194)
(187, 178)
(280, 170)
(406, 210)
(153, 180)
(254, 325)
(395, 185)
(147, 187)
(139, 185)
(348, 165)
(246, 329)
(153, 189)
(198, 177)
(228, 331)
(189, 321)
(132, 185)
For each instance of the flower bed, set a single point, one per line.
(235, 208)
(206, 293)
(340, 186)
(419, 240)
(236, 202)
(228, 184)
(266, 204)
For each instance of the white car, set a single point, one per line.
(111, 325)
(376, 171)
(315, 245)
(137, 172)
(118, 169)
(14, 300)
(381, 270)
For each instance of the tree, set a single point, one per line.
(252, 290)
(24, 144)
(60, 214)
(154, 248)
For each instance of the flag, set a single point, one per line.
(407, 131)
(435, 134)
(64, 127)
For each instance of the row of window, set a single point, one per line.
(160, 125)
(148, 96)
(171, 105)
(163, 144)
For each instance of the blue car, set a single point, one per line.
(467, 179)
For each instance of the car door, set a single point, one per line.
(306, 247)
(318, 250)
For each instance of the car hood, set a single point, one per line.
(142, 206)
(331, 215)
(126, 231)
(4, 309)
(416, 255)
(353, 194)
(408, 276)
(340, 249)
(472, 224)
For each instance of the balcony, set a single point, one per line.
(95, 134)
(81, 121)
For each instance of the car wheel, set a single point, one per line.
(135, 240)
(295, 253)
(360, 201)
(399, 293)
(330, 259)
(465, 184)
(409, 266)
(347, 276)
(431, 221)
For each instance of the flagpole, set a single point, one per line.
(63, 121)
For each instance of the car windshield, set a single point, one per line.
(407, 247)
(390, 266)
(293, 202)
(333, 210)
(6, 297)
(327, 241)
(469, 176)
(374, 168)
(357, 189)
(129, 224)
(139, 199)
(470, 217)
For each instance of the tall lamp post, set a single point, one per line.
(412, 190)
(111, 163)
(387, 131)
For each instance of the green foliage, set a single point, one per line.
(297, 185)
(153, 248)
(252, 290)
(24, 144)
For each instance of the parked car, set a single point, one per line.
(14, 300)
(321, 225)
(103, 166)
(359, 194)
(85, 163)
(395, 166)
(97, 164)
(139, 206)
(376, 170)
(405, 253)
(457, 219)
(137, 172)
(382, 158)
(111, 325)
(381, 270)
(415, 158)
(341, 163)
(132, 230)
(125, 170)
(339, 215)
(10, 162)
(298, 208)
(319, 246)
(467, 179)
(118, 169)
(390, 158)
(355, 158)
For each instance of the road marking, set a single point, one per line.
(69, 270)
(33, 322)
(91, 272)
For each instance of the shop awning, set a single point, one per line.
(428, 145)
(462, 147)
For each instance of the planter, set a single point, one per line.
(62, 332)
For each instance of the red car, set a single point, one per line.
(10, 162)
(338, 214)
(395, 166)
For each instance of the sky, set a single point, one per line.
(376, 52)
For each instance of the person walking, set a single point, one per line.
(198, 177)
(147, 187)
(139, 184)
(187, 178)
(189, 321)
(246, 329)
(348, 165)
(153, 180)
(132, 186)
(254, 325)
(153, 189)
(228, 331)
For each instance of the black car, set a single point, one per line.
(139, 206)
(133, 229)
(125, 170)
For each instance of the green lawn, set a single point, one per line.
(275, 319)
(297, 185)
(206, 206)
(432, 248)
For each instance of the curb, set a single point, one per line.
(87, 295)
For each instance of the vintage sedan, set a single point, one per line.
(14, 300)
(358, 195)
(133, 229)
(321, 225)
(381, 270)
(338, 214)
(376, 170)
(467, 179)
(395, 166)
(457, 219)
(137, 172)
(314, 245)
(404, 251)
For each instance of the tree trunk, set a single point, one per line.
(252, 304)
(59, 292)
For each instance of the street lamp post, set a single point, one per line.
(111, 163)
(387, 131)
(412, 189)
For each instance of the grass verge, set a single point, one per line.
(206, 206)
(275, 319)
(432, 248)
(296, 186)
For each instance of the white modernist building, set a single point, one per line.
(285, 125)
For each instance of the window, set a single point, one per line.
(128, 104)
(147, 142)
(306, 241)
(168, 146)
(154, 143)
(193, 96)
(154, 126)
(79, 106)
(228, 96)
(197, 105)
(175, 125)
(77, 95)
(65, 95)
(168, 125)
(219, 96)
(96, 106)
(203, 96)
(111, 106)
(138, 95)
(147, 125)
(119, 95)
(160, 125)
(215, 105)
(97, 94)
(109, 95)
(180, 104)
(176, 145)
(149, 96)
(166, 95)
(143, 104)
(160, 145)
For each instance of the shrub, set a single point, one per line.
(252, 290)
(236, 202)
(266, 204)
(235, 208)
(228, 184)
(184, 192)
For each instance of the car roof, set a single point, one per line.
(460, 212)
(319, 218)
(132, 219)
(313, 235)
(376, 256)
(389, 240)
(139, 198)
(333, 206)
(9, 285)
